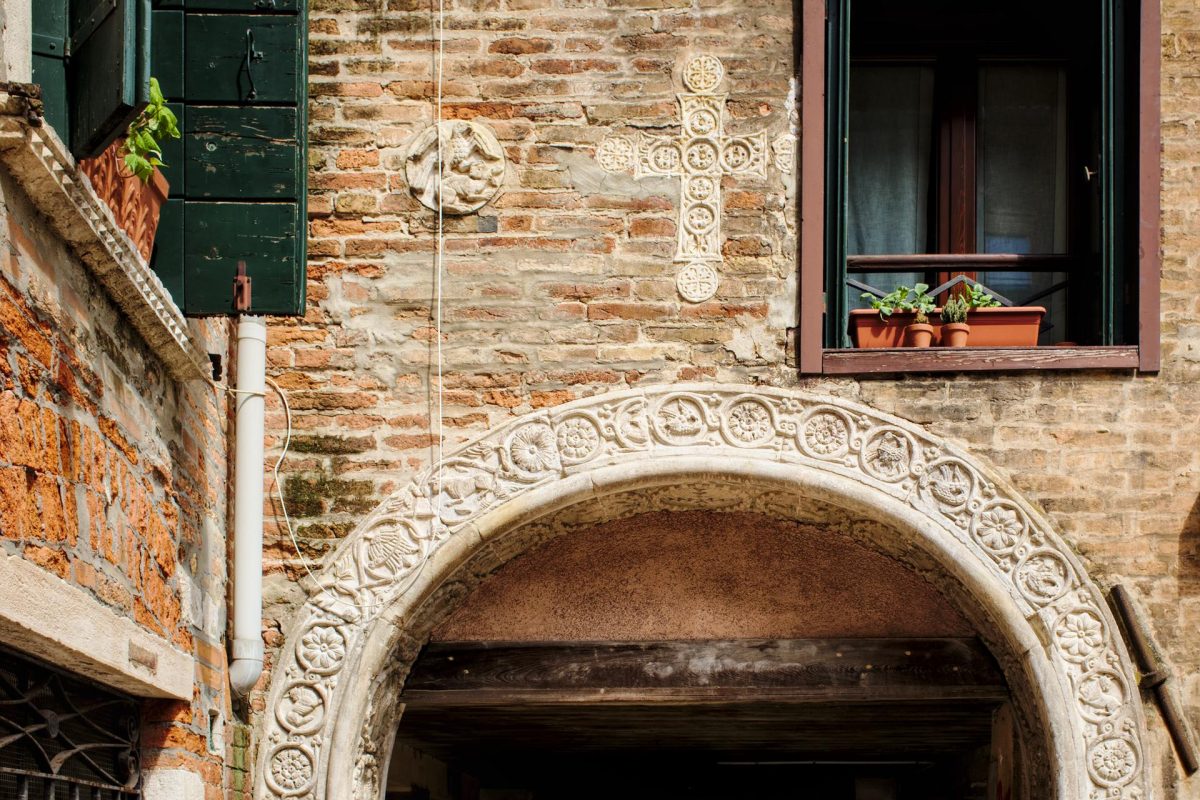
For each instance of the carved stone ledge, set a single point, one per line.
(39, 161)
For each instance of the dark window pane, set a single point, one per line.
(891, 117)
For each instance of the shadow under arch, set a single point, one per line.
(331, 709)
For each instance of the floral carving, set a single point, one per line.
(291, 771)
(322, 650)
(1079, 634)
(533, 450)
(977, 513)
(826, 434)
(784, 146)
(464, 172)
(616, 154)
(1112, 762)
(578, 439)
(999, 528)
(697, 282)
(703, 74)
(748, 423)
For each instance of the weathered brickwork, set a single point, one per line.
(563, 286)
(112, 475)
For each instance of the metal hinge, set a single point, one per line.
(241, 289)
(55, 46)
(101, 12)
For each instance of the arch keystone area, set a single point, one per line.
(321, 735)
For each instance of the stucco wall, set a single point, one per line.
(564, 287)
(701, 575)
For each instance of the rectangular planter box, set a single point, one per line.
(1015, 326)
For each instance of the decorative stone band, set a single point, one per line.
(896, 460)
(40, 162)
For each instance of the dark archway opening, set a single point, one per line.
(635, 676)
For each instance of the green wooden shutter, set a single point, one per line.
(837, 123)
(50, 62)
(1116, 199)
(108, 70)
(238, 176)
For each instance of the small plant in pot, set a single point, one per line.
(126, 176)
(955, 329)
(915, 301)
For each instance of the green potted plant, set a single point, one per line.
(955, 329)
(898, 319)
(996, 325)
(127, 175)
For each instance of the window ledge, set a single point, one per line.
(975, 359)
(36, 157)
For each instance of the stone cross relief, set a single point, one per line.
(700, 156)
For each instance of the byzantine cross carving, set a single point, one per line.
(700, 156)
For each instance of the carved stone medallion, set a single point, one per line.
(472, 166)
(697, 282)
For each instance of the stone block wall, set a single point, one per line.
(563, 286)
(112, 474)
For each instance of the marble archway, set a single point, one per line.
(331, 706)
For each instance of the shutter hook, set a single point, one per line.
(252, 56)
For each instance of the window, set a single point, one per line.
(996, 141)
(235, 74)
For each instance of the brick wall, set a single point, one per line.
(563, 286)
(112, 475)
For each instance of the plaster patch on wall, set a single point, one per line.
(588, 178)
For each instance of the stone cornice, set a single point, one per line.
(40, 162)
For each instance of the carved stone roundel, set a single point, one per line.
(883, 459)
(703, 74)
(697, 282)
(472, 166)
(616, 154)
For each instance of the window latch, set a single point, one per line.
(252, 57)
(1088, 173)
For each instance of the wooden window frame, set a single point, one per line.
(812, 356)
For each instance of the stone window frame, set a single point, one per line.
(812, 357)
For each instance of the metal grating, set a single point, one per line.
(62, 738)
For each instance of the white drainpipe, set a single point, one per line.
(247, 663)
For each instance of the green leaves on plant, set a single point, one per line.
(981, 299)
(902, 298)
(143, 153)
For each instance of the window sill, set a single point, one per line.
(41, 164)
(975, 359)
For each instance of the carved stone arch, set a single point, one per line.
(331, 712)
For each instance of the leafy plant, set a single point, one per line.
(978, 298)
(143, 153)
(902, 298)
(956, 310)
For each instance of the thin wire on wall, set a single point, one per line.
(439, 268)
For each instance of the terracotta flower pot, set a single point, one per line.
(1008, 326)
(919, 334)
(954, 334)
(136, 206)
(868, 330)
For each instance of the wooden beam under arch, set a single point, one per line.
(460, 674)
